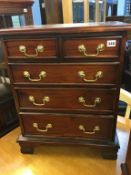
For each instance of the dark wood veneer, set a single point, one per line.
(68, 125)
(70, 47)
(66, 73)
(9, 8)
(67, 98)
(62, 61)
(50, 48)
(69, 28)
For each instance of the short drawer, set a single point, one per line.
(62, 125)
(44, 48)
(97, 73)
(91, 48)
(71, 99)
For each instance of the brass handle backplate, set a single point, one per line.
(38, 49)
(83, 102)
(45, 100)
(98, 75)
(48, 126)
(27, 75)
(95, 129)
(82, 49)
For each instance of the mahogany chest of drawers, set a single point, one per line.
(66, 80)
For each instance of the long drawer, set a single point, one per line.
(61, 125)
(75, 99)
(32, 48)
(97, 73)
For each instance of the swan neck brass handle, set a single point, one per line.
(83, 102)
(82, 49)
(98, 75)
(95, 129)
(45, 100)
(27, 75)
(38, 49)
(47, 127)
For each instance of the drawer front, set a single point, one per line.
(77, 99)
(97, 73)
(45, 48)
(91, 48)
(92, 127)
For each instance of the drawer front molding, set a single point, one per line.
(82, 99)
(88, 74)
(32, 48)
(90, 48)
(53, 125)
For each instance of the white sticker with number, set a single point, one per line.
(111, 43)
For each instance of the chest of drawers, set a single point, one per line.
(66, 80)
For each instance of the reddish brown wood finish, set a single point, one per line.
(82, 28)
(70, 47)
(50, 48)
(10, 5)
(67, 99)
(66, 73)
(64, 87)
(68, 125)
(54, 14)
(16, 7)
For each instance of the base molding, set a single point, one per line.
(108, 149)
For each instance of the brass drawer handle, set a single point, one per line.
(45, 100)
(82, 49)
(48, 126)
(83, 101)
(38, 49)
(98, 75)
(27, 75)
(96, 129)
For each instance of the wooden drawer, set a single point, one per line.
(73, 99)
(91, 48)
(44, 48)
(97, 73)
(92, 127)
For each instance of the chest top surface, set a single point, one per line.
(69, 28)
